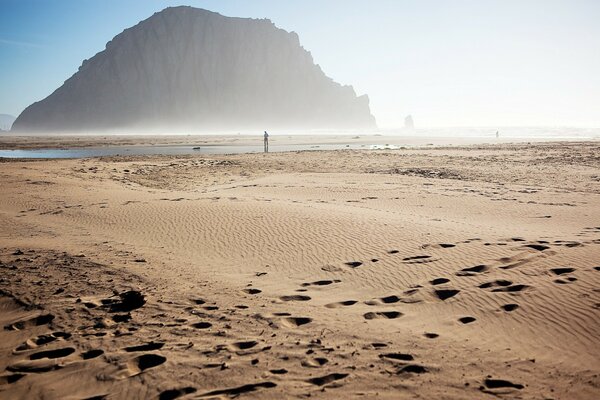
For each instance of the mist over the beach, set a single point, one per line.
(449, 65)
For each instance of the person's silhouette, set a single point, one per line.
(266, 142)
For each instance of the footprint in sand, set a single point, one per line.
(51, 354)
(237, 391)
(417, 259)
(239, 348)
(439, 281)
(331, 268)
(467, 320)
(568, 243)
(568, 280)
(42, 361)
(30, 322)
(121, 317)
(563, 270)
(324, 380)
(412, 369)
(244, 345)
(172, 394)
(36, 366)
(397, 356)
(143, 362)
(383, 315)
(472, 271)
(511, 289)
(294, 322)
(444, 294)
(42, 340)
(509, 307)
(314, 362)
(90, 354)
(503, 285)
(127, 301)
(499, 384)
(496, 283)
(321, 283)
(439, 246)
(378, 345)
(538, 247)
(353, 264)
(202, 325)
(345, 303)
(281, 371)
(145, 347)
(9, 379)
(383, 300)
(295, 298)
(446, 245)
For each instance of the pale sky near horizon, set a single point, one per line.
(446, 62)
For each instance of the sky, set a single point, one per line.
(448, 63)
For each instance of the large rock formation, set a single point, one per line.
(188, 69)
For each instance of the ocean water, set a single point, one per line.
(107, 151)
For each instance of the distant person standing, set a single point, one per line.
(497, 134)
(266, 142)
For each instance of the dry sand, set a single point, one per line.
(449, 273)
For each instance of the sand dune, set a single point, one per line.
(450, 272)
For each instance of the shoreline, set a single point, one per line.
(8, 142)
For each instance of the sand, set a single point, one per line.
(445, 272)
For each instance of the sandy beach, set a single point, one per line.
(462, 272)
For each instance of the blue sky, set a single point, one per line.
(446, 62)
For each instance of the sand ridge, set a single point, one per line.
(450, 272)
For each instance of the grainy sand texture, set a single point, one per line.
(467, 272)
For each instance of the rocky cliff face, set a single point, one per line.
(188, 69)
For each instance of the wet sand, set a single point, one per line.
(444, 272)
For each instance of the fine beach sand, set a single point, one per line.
(442, 272)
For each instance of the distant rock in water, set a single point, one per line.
(6, 122)
(188, 69)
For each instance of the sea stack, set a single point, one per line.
(188, 69)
